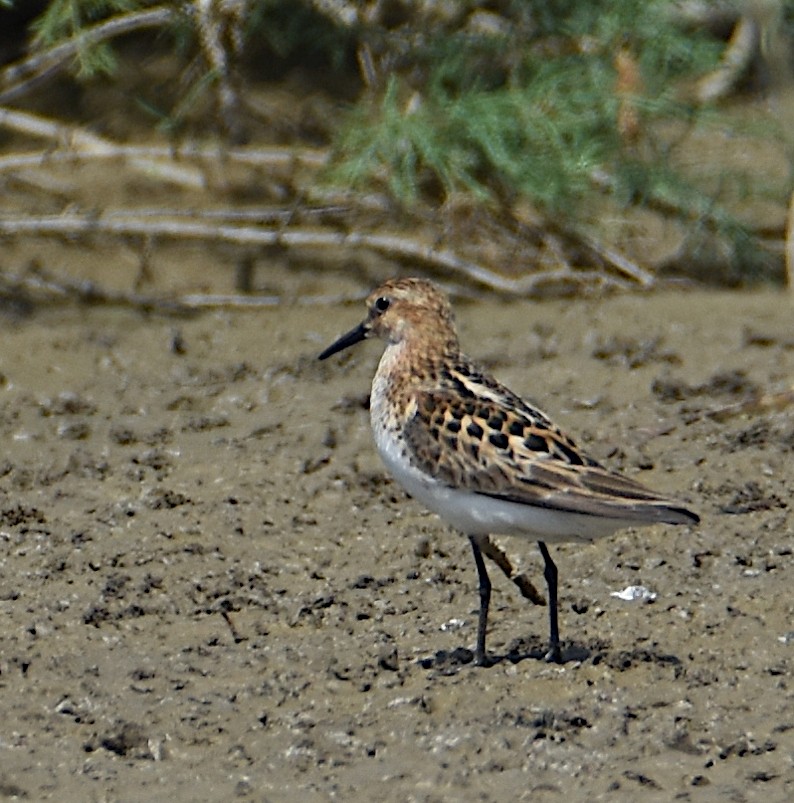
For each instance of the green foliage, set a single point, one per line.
(63, 19)
(540, 140)
(531, 112)
(527, 109)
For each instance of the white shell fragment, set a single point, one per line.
(453, 624)
(635, 593)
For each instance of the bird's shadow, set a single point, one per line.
(446, 662)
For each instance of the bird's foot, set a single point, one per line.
(554, 655)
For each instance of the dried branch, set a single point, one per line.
(392, 245)
(218, 23)
(78, 140)
(169, 164)
(739, 54)
(620, 262)
(173, 165)
(215, 23)
(272, 157)
(43, 288)
(19, 78)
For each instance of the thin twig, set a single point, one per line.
(18, 78)
(742, 48)
(392, 245)
(42, 287)
(258, 215)
(200, 301)
(79, 140)
(217, 24)
(619, 261)
(312, 158)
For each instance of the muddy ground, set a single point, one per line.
(211, 591)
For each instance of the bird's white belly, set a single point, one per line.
(478, 514)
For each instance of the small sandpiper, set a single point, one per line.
(478, 455)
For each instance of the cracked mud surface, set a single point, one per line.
(211, 590)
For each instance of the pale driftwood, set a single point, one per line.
(392, 245)
(153, 160)
(273, 157)
(202, 301)
(193, 166)
(77, 140)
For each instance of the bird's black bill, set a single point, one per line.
(350, 339)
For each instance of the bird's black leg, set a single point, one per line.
(480, 657)
(554, 654)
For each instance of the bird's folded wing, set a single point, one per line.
(519, 456)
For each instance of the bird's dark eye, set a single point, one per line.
(382, 304)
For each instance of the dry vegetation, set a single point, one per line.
(377, 143)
